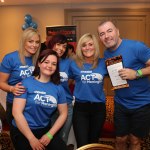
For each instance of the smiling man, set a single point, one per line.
(132, 104)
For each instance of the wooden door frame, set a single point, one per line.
(70, 14)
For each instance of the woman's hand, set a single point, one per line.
(36, 144)
(18, 89)
(45, 140)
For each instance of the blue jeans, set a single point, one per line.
(64, 131)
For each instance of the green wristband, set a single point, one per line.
(49, 136)
(140, 73)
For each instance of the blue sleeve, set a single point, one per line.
(7, 64)
(61, 95)
(70, 73)
(103, 64)
(143, 52)
(105, 55)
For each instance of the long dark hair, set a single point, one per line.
(55, 78)
(58, 38)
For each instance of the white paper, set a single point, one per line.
(114, 75)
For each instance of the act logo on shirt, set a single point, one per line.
(26, 71)
(42, 99)
(63, 76)
(92, 78)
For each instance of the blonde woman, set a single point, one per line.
(18, 65)
(88, 71)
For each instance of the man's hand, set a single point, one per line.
(127, 73)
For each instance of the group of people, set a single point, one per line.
(39, 107)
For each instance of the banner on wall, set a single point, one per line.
(68, 31)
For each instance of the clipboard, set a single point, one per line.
(113, 65)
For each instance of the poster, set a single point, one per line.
(68, 31)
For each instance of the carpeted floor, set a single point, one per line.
(108, 141)
(5, 141)
(111, 141)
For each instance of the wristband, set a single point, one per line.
(49, 136)
(139, 74)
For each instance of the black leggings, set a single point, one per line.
(21, 142)
(9, 115)
(9, 118)
(88, 120)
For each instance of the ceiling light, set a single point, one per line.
(2, 1)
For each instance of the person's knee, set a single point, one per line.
(121, 143)
(134, 140)
(122, 140)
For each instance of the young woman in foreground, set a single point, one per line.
(32, 110)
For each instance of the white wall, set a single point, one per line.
(12, 19)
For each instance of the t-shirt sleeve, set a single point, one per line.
(143, 52)
(105, 55)
(70, 71)
(6, 64)
(103, 64)
(61, 95)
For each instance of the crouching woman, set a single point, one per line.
(32, 110)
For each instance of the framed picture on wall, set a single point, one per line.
(68, 31)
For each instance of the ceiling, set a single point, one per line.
(36, 2)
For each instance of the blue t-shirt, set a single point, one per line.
(134, 54)
(12, 65)
(41, 101)
(64, 68)
(88, 82)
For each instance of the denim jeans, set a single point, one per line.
(64, 131)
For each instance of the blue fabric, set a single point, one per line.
(11, 64)
(41, 101)
(135, 54)
(88, 82)
(64, 68)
